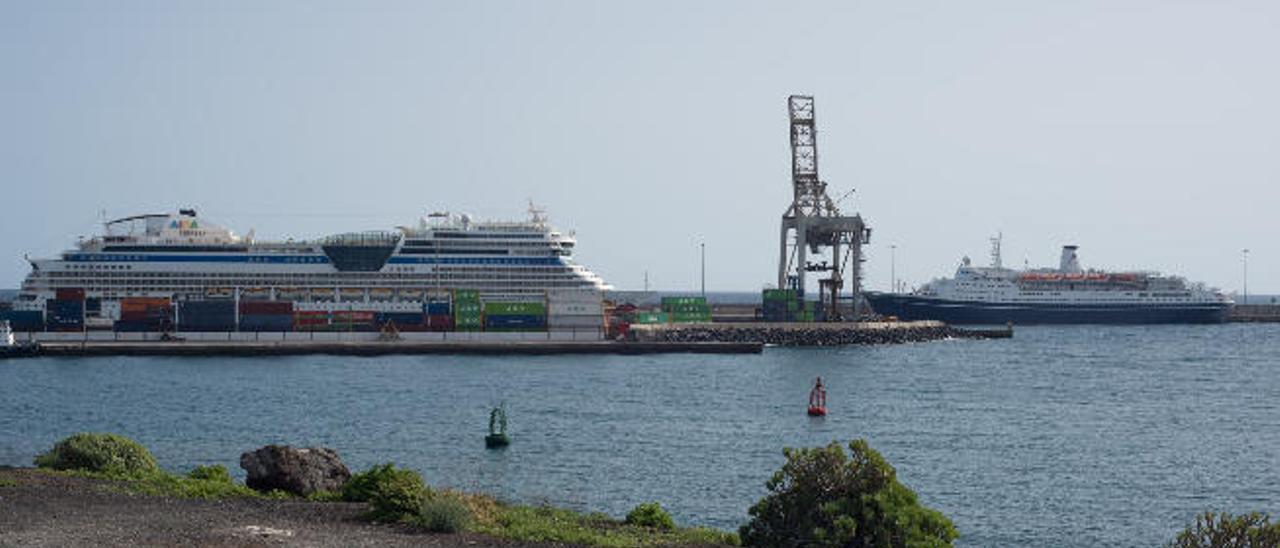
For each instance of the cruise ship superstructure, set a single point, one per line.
(1067, 294)
(181, 256)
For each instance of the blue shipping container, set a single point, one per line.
(515, 321)
(400, 318)
(437, 309)
(23, 320)
(266, 322)
(207, 316)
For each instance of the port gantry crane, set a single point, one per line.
(814, 225)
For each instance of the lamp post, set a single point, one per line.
(702, 248)
(893, 268)
(1245, 254)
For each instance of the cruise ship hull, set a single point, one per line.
(913, 307)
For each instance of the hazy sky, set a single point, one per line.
(1144, 131)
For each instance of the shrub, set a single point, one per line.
(650, 514)
(393, 494)
(442, 514)
(820, 497)
(216, 472)
(106, 453)
(1211, 530)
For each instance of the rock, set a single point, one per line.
(300, 471)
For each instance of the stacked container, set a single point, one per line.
(219, 315)
(311, 320)
(438, 310)
(403, 321)
(780, 305)
(515, 316)
(266, 316)
(467, 314)
(575, 309)
(687, 309)
(646, 318)
(352, 320)
(23, 320)
(65, 315)
(144, 314)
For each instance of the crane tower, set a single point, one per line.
(813, 224)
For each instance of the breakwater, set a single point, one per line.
(810, 334)
(376, 348)
(1255, 313)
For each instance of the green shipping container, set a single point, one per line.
(668, 302)
(690, 318)
(537, 308)
(466, 295)
(466, 309)
(689, 309)
(779, 295)
(650, 317)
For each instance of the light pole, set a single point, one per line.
(893, 268)
(1245, 254)
(702, 248)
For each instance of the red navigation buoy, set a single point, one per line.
(818, 399)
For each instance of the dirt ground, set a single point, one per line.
(39, 509)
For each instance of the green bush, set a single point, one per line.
(820, 497)
(393, 494)
(216, 472)
(1211, 530)
(650, 514)
(442, 514)
(105, 453)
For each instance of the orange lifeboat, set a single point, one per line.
(818, 399)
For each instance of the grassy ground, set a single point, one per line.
(518, 523)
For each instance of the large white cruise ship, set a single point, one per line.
(180, 256)
(1067, 294)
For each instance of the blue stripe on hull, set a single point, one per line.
(909, 307)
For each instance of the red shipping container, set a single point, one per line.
(272, 308)
(70, 294)
(353, 315)
(439, 323)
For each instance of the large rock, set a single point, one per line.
(300, 471)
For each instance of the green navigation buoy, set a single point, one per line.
(497, 429)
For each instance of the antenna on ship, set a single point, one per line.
(537, 215)
(995, 250)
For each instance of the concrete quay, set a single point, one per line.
(811, 334)
(384, 348)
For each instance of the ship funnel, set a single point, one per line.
(1069, 263)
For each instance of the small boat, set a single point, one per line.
(818, 399)
(11, 348)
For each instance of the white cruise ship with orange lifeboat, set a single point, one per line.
(1065, 295)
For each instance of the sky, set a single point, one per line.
(1143, 131)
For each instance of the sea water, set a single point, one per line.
(1062, 436)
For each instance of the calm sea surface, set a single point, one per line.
(1064, 436)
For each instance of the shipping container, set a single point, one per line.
(70, 294)
(23, 320)
(270, 308)
(436, 308)
(93, 305)
(217, 315)
(401, 319)
(779, 295)
(466, 295)
(266, 322)
(134, 304)
(515, 322)
(650, 317)
(466, 308)
(668, 302)
(528, 308)
(440, 323)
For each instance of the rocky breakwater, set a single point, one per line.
(804, 334)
